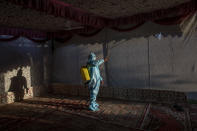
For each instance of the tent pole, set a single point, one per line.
(105, 54)
(149, 77)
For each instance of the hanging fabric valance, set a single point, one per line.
(94, 24)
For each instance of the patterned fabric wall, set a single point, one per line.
(34, 61)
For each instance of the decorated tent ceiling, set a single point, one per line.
(19, 17)
(64, 15)
(122, 8)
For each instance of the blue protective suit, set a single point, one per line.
(95, 80)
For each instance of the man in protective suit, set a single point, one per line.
(95, 79)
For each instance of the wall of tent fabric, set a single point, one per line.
(137, 59)
(34, 59)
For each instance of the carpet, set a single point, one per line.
(166, 118)
(72, 114)
(60, 113)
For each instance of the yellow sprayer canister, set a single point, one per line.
(85, 74)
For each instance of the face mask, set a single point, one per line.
(94, 58)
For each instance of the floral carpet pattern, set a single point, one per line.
(61, 113)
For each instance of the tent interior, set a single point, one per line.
(150, 78)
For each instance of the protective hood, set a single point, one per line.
(91, 57)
